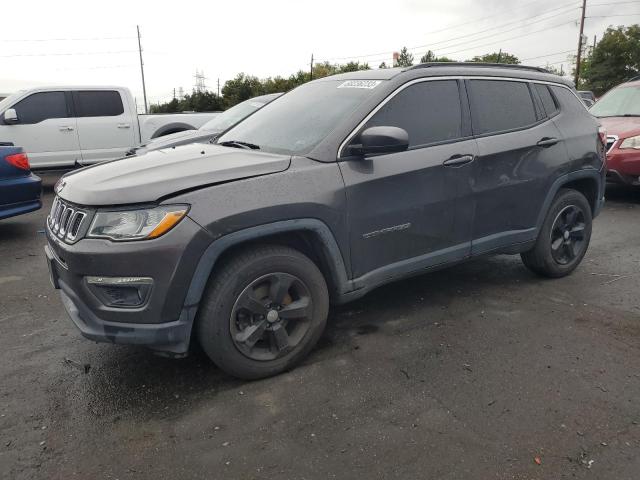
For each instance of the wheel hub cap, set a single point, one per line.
(272, 316)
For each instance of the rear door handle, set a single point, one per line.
(547, 142)
(458, 160)
(124, 125)
(66, 128)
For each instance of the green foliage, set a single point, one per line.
(383, 65)
(244, 86)
(196, 102)
(496, 57)
(405, 59)
(431, 57)
(615, 59)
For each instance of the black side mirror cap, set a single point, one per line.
(378, 140)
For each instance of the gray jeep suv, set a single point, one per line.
(335, 188)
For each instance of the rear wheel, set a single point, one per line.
(263, 312)
(564, 237)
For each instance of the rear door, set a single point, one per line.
(519, 149)
(105, 126)
(46, 129)
(405, 210)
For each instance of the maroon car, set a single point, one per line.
(619, 112)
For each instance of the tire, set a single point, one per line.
(561, 245)
(236, 324)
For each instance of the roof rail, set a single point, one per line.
(479, 65)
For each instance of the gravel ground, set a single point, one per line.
(482, 371)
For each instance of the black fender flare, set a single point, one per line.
(590, 173)
(176, 126)
(210, 256)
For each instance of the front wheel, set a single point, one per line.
(263, 312)
(564, 237)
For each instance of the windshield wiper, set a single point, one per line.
(239, 144)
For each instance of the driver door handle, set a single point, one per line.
(124, 125)
(547, 142)
(458, 160)
(66, 128)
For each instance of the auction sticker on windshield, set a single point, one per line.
(369, 84)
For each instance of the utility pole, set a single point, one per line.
(579, 56)
(144, 87)
(218, 86)
(311, 70)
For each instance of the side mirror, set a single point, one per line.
(377, 140)
(10, 116)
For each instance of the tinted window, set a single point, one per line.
(430, 112)
(98, 104)
(568, 101)
(548, 102)
(40, 106)
(498, 105)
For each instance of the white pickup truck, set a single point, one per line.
(60, 127)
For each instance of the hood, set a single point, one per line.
(162, 173)
(621, 126)
(178, 138)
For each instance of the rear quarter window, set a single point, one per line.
(500, 105)
(568, 101)
(98, 103)
(548, 102)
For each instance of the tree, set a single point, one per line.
(615, 59)
(241, 88)
(431, 57)
(496, 57)
(405, 59)
(353, 67)
(383, 65)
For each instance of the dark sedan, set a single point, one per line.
(19, 188)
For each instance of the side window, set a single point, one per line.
(500, 105)
(568, 100)
(429, 111)
(41, 106)
(548, 102)
(98, 103)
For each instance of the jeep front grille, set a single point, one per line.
(65, 221)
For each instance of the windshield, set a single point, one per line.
(618, 102)
(230, 117)
(299, 120)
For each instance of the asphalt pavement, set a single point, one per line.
(482, 371)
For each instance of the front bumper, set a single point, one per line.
(163, 322)
(623, 166)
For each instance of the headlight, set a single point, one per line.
(631, 142)
(136, 224)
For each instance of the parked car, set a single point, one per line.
(587, 95)
(619, 112)
(19, 188)
(210, 130)
(342, 185)
(62, 127)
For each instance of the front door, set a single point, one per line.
(406, 210)
(46, 130)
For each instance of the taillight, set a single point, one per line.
(18, 160)
(602, 132)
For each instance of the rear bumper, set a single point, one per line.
(20, 195)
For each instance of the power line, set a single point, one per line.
(566, 5)
(619, 15)
(89, 39)
(613, 3)
(548, 55)
(66, 54)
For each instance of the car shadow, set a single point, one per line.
(124, 380)
(623, 194)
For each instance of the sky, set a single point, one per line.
(95, 43)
